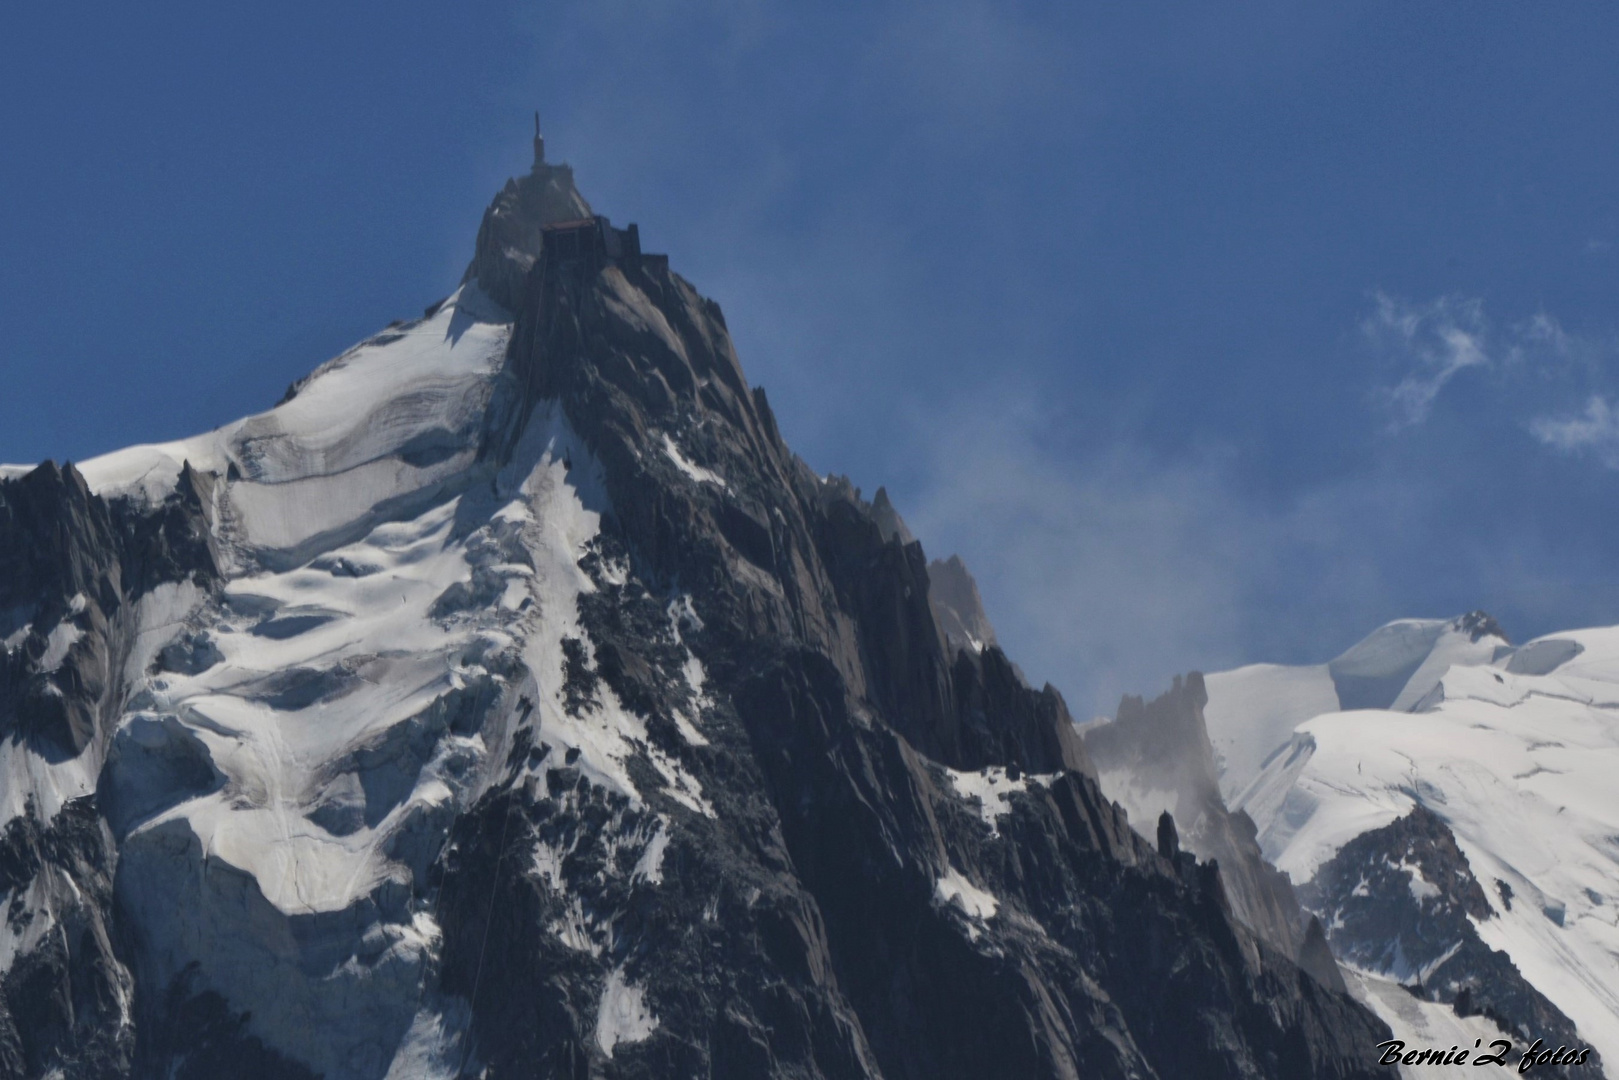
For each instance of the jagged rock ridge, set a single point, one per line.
(1155, 757)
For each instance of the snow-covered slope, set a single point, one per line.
(299, 740)
(1515, 750)
(388, 419)
(1253, 710)
(1416, 1022)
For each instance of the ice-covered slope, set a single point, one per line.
(1521, 768)
(1416, 1022)
(388, 419)
(309, 729)
(339, 716)
(292, 746)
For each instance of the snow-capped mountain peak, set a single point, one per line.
(1253, 710)
(510, 701)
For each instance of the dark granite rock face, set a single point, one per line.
(844, 912)
(61, 575)
(71, 564)
(72, 567)
(1402, 901)
(192, 1034)
(64, 1002)
(1315, 957)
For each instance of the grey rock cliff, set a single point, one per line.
(509, 239)
(1162, 746)
(957, 606)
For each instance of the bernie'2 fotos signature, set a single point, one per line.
(1499, 1052)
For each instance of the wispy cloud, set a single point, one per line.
(1538, 337)
(1547, 380)
(1432, 343)
(1109, 569)
(1108, 572)
(1594, 432)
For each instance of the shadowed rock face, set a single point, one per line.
(62, 1002)
(61, 575)
(509, 239)
(70, 566)
(847, 847)
(845, 912)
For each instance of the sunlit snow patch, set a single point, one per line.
(990, 787)
(622, 1015)
(954, 888)
(695, 472)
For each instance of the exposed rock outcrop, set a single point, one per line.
(1402, 901)
(957, 606)
(509, 238)
(71, 565)
(1155, 756)
(74, 569)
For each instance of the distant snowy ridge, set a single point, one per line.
(1514, 749)
(1253, 710)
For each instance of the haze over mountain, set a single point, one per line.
(1183, 273)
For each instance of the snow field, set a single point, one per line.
(1521, 767)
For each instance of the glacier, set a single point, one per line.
(1513, 747)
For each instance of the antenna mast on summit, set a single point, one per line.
(539, 142)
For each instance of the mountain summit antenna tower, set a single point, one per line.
(539, 142)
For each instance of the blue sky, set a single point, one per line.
(1207, 334)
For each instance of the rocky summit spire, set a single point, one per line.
(509, 239)
(1169, 843)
